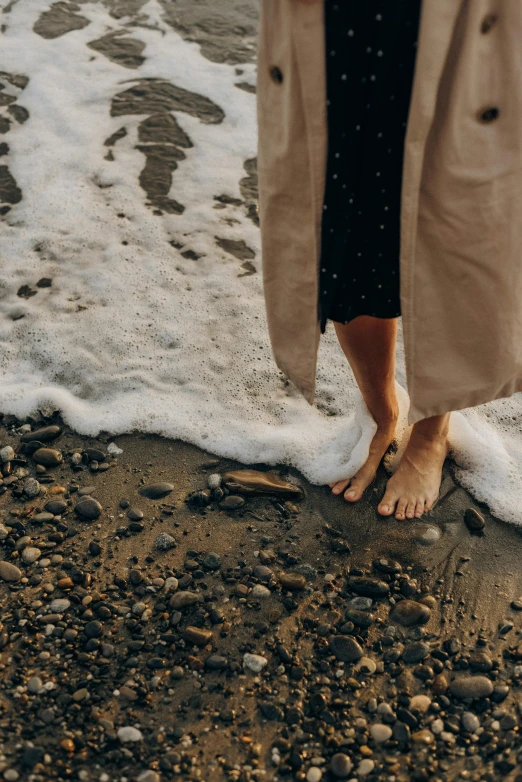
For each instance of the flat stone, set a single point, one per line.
(252, 482)
(88, 508)
(471, 687)
(155, 491)
(181, 600)
(254, 662)
(470, 722)
(59, 605)
(232, 502)
(426, 534)
(216, 662)
(9, 572)
(415, 652)
(134, 514)
(45, 434)
(480, 661)
(380, 732)
(474, 521)
(197, 635)
(49, 457)
(56, 507)
(409, 613)
(340, 765)
(30, 554)
(43, 518)
(386, 565)
(292, 581)
(369, 587)
(360, 618)
(345, 648)
(361, 603)
(129, 734)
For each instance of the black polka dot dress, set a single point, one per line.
(370, 60)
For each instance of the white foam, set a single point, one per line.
(138, 337)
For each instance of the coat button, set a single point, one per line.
(276, 75)
(488, 115)
(488, 22)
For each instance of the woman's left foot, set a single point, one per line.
(414, 488)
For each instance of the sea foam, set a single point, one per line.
(148, 323)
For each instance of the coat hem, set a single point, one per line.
(419, 413)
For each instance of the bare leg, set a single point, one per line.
(369, 345)
(413, 489)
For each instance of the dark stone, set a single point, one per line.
(409, 613)
(345, 648)
(474, 521)
(369, 587)
(232, 502)
(415, 652)
(45, 434)
(88, 508)
(56, 507)
(48, 457)
(93, 629)
(156, 491)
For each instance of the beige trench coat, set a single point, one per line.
(461, 222)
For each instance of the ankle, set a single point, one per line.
(432, 430)
(386, 417)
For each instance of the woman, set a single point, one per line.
(442, 84)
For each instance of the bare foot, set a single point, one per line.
(414, 488)
(361, 480)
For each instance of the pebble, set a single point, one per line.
(155, 491)
(474, 521)
(31, 554)
(149, 776)
(259, 592)
(423, 736)
(11, 775)
(365, 767)
(517, 604)
(44, 434)
(314, 774)
(426, 534)
(55, 507)
(49, 457)
(292, 581)
(415, 652)
(129, 734)
(4, 532)
(164, 542)
(409, 613)
(380, 732)
(254, 662)
(34, 684)
(420, 703)
(9, 572)
(212, 561)
(114, 450)
(59, 605)
(232, 502)
(134, 514)
(214, 481)
(182, 600)
(31, 488)
(251, 482)
(345, 648)
(470, 722)
(471, 687)
(340, 765)
(361, 603)
(7, 454)
(366, 665)
(88, 508)
(197, 635)
(368, 587)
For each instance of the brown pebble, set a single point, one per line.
(197, 635)
(292, 581)
(440, 684)
(67, 745)
(423, 737)
(65, 583)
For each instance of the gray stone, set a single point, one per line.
(31, 488)
(345, 648)
(182, 600)
(9, 572)
(426, 534)
(232, 502)
(415, 652)
(340, 765)
(164, 542)
(34, 684)
(361, 603)
(212, 561)
(6, 454)
(56, 507)
(470, 722)
(59, 605)
(408, 613)
(88, 508)
(43, 517)
(471, 687)
(31, 554)
(155, 491)
(254, 662)
(129, 734)
(369, 587)
(214, 481)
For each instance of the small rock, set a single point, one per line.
(366, 666)
(420, 703)
(34, 684)
(254, 662)
(409, 613)
(368, 587)
(49, 457)
(340, 765)
(59, 605)
(232, 502)
(182, 600)
(214, 481)
(216, 662)
(380, 732)
(164, 542)
(251, 482)
(415, 652)
(471, 687)
(31, 554)
(129, 734)
(516, 604)
(474, 521)
(212, 561)
(149, 776)
(31, 488)
(155, 491)
(365, 767)
(88, 508)
(314, 774)
(56, 507)
(197, 635)
(134, 514)
(259, 592)
(44, 434)
(426, 534)
(9, 572)
(345, 648)
(6, 454)
(470, 722)
(292, 581)
(361, 603)
(386, 565)
(423, 737)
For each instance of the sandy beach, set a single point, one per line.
(164, 615)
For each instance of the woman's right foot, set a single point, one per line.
(355, 487)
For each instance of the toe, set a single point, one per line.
(387, 505)
(410, 508)
(419, 508)
(339, 486)
(401, 508)
(354, 493)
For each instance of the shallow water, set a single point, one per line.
(130, 291)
